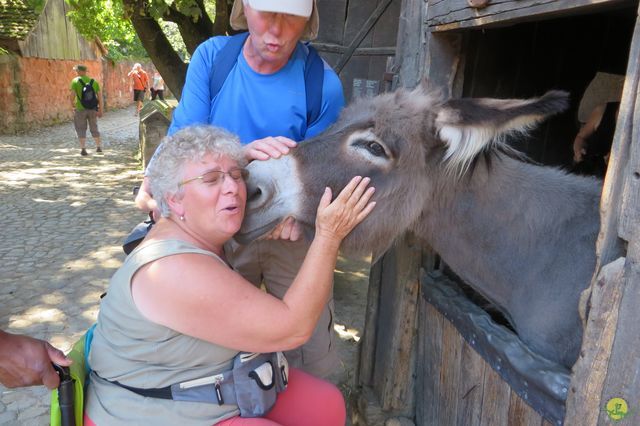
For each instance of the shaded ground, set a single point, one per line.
(63, 218)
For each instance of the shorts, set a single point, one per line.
(138, 95)
(276, 263)
(80, 120)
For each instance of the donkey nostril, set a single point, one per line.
(255, 195)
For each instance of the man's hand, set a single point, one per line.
(25, 361)
(288, 229)
(144, 199)
(271, 147)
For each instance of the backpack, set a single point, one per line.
(88, 98)
(313, 73)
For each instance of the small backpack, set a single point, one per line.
(88, 98)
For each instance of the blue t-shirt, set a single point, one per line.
(254, 105)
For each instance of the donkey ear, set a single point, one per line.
(468, 126)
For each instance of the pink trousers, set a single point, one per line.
(308, 401)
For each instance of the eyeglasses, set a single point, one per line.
(215, 177)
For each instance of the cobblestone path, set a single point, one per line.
(62, 220)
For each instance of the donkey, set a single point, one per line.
(521, 234)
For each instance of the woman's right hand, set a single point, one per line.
(336, 219)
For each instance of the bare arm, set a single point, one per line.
(25, 361)
(73, 99)
(580, 141)
(201, 297)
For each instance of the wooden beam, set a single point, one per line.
(589, 372)
(361, 51)
(445, 15)
(375, 15)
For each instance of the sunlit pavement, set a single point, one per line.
(62, 221)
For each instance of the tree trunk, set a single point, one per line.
(166, 60)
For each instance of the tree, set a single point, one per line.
(195, 21)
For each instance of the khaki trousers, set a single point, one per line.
(276, 263)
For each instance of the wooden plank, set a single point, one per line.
(361, 51)
(629, 217)
(457, 14)
(409, 60)
(364, 373)
(397, 320)
(332, 19)
(361, 34)
(495, 401)
(429, 366)
(521, 414)
(450, 372)
(623, 374)
(583, 400)
(609, 246)
(472, 372)
(442, 60)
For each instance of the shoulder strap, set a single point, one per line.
(313, 81)
(91, 83)
(225, 60)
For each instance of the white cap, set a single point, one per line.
(292, 7)
(304, 8)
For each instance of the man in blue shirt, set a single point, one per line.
(263, 101)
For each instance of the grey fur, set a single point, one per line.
(522, 235)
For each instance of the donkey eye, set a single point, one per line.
(375, 148)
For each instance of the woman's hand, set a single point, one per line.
(271, 147)
(336, 219)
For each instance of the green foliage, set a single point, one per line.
(106, 20)
(36, 5)
(170, 29)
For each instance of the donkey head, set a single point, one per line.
(407, 142)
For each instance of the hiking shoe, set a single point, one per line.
(83, 152)
(99, 150)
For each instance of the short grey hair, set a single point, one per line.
(187, 145)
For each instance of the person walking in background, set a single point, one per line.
(86, 101)
(263, 101)
(157, 88)
(140, 85)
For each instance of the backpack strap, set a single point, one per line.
(225, 60)
(313, 73)
(313, 81)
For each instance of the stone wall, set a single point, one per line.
(34, 92)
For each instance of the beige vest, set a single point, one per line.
(136, 352)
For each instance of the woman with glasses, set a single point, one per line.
(176, 315)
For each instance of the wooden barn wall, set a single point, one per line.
(528, 59)
(458, 387)
(341, 26)
(54, 38)
(521, 48)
